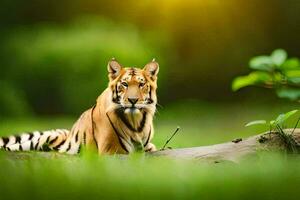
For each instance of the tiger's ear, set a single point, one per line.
(114, 69)
(151, 69)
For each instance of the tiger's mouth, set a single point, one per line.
(138, 106)
(132, 110)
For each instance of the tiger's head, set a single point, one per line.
(133, 89)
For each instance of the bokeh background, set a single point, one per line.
(53, 66)
(54, 53)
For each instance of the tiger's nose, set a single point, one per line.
(133, 100)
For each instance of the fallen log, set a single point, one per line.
(233, 151)
(239, 148)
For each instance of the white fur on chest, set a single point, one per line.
(134, 117)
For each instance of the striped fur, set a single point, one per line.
(120, 122)
(41, 141)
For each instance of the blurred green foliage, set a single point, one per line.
(54, 55)
(63, 69)
(275, 71)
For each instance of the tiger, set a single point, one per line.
(120, 122)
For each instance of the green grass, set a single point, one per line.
(270, 176)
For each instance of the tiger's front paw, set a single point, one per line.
(150, 147)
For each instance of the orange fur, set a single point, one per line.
(115, 127)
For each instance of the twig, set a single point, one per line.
(296, 125)
(177, 129)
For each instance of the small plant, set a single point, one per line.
(279, 122)
(275, 71)
(278, 126)
(278, 72)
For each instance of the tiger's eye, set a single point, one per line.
(124, 84)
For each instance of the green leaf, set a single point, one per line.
(293, 76)
(279, 120)
(295, 80)
(250, 79)
(263, 63)
(272, 123)
(255, 122)
(278, 56)
(293, 73)
(292, 63)
(289, 93)
(283, 117)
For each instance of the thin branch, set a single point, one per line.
(170, 138)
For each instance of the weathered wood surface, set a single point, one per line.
(234, 150)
